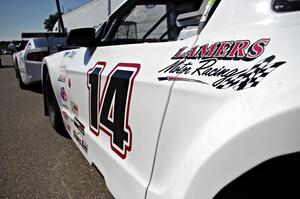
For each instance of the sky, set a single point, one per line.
(17, 16)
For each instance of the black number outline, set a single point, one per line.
(128, 145)
(133, 67)
(103, 64)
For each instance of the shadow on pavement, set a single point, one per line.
(36, 88)
(3, 66)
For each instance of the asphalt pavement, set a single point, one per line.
(36, 161)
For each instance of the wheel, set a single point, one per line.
(18, 74)
(53, 108)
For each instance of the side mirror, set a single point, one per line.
(84, 37)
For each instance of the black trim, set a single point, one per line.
(42, 34)
(275, 178)
(285, 5)
(158, 22)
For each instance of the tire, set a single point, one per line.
(18, 75)
(53, 108)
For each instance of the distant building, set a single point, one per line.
(91, 14)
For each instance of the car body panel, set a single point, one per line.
(222, 132)
(193, 131)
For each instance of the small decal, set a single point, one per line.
(73, 53)
(68, 127)
(225, 50)
(69, 54)
(74, 108)
(150, 6)
(69, 83)
(61, 78)
(200, 64)
(79, 126)
(84, 146)
(174, 78)
(78, 137)
(65, 106)
(65, 115)
(62, 66)
(63, 94)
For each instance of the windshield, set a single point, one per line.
(43, 42)
(149, 21)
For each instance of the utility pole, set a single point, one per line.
(109, 7)
(61, 23)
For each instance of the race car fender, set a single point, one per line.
(211, 158)
(54, 66)
(211, 150)
(269, 138)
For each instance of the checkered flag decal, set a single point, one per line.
(251, 77)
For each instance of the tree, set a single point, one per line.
(50, 22)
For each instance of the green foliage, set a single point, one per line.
(50, 22)
(4, 44)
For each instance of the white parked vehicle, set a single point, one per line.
(28, 62)
(185, 98)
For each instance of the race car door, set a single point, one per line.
(116, 101)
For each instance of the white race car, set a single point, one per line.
(28, 62)
(185, 98)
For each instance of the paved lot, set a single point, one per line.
(6, 61)
(35, 161)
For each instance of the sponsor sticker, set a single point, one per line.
(65, 106)
(73, 53)
(68, 127)
(61, 78)
(62, 66)
(202, 64)
(69, 83)
(150, 6)
(74, 108)
(63, 94)
(69, 54)
(84, 146)
(65, 115)
(78, 137)
(79, 126)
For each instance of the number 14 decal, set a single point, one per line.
(112, 104)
